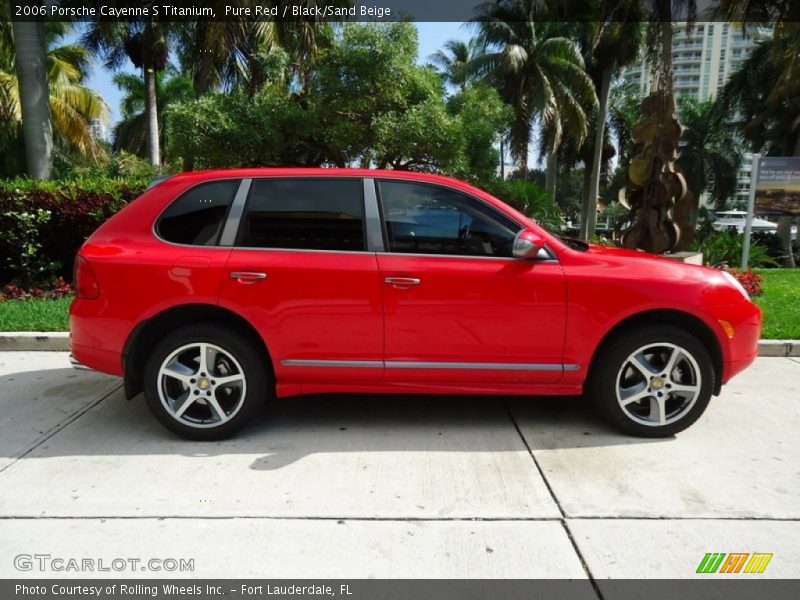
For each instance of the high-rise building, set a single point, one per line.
(704, 56)
(98, 129)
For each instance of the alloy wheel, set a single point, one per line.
(658, 384)
(201, 385)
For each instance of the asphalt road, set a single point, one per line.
(388, 486)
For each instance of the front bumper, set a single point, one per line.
(742, 348)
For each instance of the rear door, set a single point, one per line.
(300, 273)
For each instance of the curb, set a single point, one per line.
(779, 348)
(47, 341)
(58, 341)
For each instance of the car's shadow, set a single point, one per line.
(398, 423)
(293, 428)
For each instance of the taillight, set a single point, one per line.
(86, 286)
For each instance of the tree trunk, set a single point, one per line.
(587, 179)
(502, 158)
(34, 92)
(522, 163)
(151, 109)
(785, 234)
(589, 213)
(552, 172)
(666, 44)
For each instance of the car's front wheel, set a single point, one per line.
(204, 381)
(652, 382)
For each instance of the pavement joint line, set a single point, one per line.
(535, 462)
(552, 493)
(61, 425)
(378, 519)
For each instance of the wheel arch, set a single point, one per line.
(677, 318)
(147, 333)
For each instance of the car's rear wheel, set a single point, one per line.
(205, 382)
(652, 382)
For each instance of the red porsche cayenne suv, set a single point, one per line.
(215, 291)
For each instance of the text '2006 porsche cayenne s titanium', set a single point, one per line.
(215, 291)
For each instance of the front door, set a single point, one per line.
(457, 306)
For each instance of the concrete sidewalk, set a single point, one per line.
(358, 486)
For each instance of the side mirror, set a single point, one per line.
(527, 244)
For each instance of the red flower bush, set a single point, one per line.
(59, 289)
(751, 281)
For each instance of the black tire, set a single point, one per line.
(198, 420)
(606, 373)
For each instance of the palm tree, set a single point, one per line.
(33, 93)
(615, 43)
(73, 106)
(766, 108)
(131, 133)
(710, 151)
(145, 42)
(231, 53)
(456, 61)
(541, 75)
(765, 93)
(624, 111)
(238, 54)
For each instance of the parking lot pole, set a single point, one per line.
(750, 208)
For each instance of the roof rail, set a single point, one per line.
(160, 179)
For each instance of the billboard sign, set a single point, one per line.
(778, 187)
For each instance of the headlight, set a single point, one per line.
(735, 283)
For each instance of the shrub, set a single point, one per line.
(23, 239)
(76, 208)
(528, 198)
(773, 245)
(725, 248)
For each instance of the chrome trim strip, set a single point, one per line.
(228, 237)
(78, 365)
(332, 363)
(411, 364)
(485, 366)
(470, 256)
(372, 217)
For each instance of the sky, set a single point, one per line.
(432, 37)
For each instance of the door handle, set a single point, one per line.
(247, 276)
(402, 282)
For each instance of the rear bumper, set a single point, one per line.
(76, 364)
(94, 359)
(96, 338)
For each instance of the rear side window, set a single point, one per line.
(197, 217)
(307, 214)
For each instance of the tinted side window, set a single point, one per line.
(428, 219)
(307, 214)
(198, 216)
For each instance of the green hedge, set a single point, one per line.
(76, 208)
